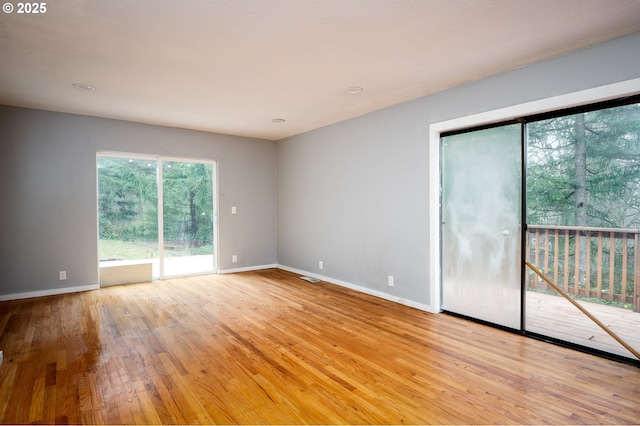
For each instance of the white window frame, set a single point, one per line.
(160, 159)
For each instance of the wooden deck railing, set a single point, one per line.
(602, 263)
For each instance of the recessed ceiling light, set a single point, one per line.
(84, 87)
(278, 120)
(354, 90)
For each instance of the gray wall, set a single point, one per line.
(355, 194)
(48, 191)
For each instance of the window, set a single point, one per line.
(156, 210)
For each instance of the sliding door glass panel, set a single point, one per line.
(187, 193)
(583, 211)
(127, 211)
(481, 199)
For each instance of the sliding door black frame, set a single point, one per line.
(523, 121)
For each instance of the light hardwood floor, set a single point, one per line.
(268, 348)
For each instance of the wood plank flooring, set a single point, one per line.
(268, 348)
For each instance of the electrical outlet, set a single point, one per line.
(391, 281)
(62, 275)
(320, 264)
(234, 258)
(234, 210)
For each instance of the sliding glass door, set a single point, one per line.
(578, 281)
(128, 211)
(481, 186)
(158, 211)
(187, 205)
(583, 211)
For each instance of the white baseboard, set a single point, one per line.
(246, 269)
(52, 292)
(371, 292)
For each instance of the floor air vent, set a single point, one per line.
(311, 280)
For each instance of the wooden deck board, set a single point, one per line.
(556, 317)
(266, 347)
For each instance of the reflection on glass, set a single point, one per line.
(127, 211)
(188, 217)
(481, 198)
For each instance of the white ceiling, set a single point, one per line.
(231, 66)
